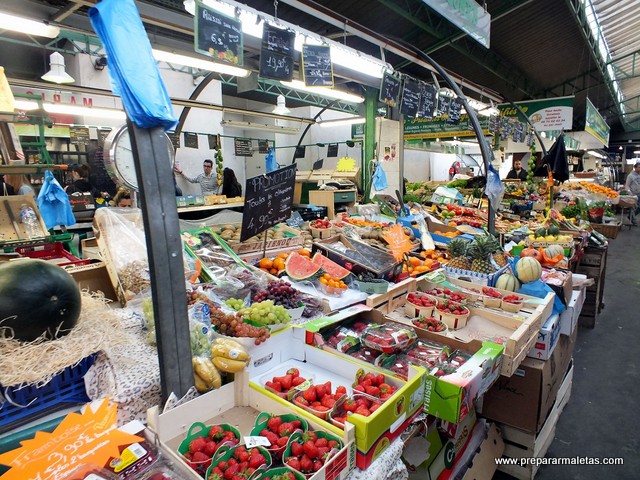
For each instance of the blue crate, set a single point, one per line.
(24, 404)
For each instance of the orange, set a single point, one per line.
(327, 276)
(415, 261)
(273, 271)
(283, 256)
(304, 252)
(323, 280)
(266, 263)
(279, 263)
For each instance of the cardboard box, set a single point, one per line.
(569, 318)
(12, 231)
(373, 434)
(239, 405)
(547, 339)
(524, 400)
(89, 248)
(441, 227)
(564, 291)
(94, 278)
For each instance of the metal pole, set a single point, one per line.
(164, 247)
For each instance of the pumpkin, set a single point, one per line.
(531, 252)
(553, 250)
(528, 269)
(37, 297)
(509, 282)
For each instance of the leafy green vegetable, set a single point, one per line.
(409, 197)
(460, 183)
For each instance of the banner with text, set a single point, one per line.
(545, 115)
(441, 127)
(596, 125)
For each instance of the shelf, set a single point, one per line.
(29, 169)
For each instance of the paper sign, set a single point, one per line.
(89, 437)
(256, 441)
(398, 241)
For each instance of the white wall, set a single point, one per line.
(417, 165)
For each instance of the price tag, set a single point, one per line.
(256, 441)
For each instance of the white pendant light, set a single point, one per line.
(57, 74)
(190, 6)
(281, 106)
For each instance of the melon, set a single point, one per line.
(553, 250)
(330, 267)
(299, 267)
(528, 269)
(506, 281)
(37, 298)
(553, 230)
(541, 232)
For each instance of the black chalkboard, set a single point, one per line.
(102, 135)
(263, 146)
(494, 124)
(332, 150)
(455, 108)
(443, 104)
(190, 140)
(410, 98)
(79, 135)
(300, 152)
(267, 201)
(214, 141)
(243, 147)
(518, 132)
(316, 65)
(428, 95)
(217, 35)
(390, 89)
(276, 53)
(175, 139)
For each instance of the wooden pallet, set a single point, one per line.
(521, 444)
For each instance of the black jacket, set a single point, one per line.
(521, 176)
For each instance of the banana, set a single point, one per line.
(207, 371)
(229, 366)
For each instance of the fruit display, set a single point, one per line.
(344, 336)
(512, 303)
(454, 314)
(454, 296)
(528, 269)
(265, 313)
(280, 473)
(366, 354)
(419, 304)
(599, 189)
(491, 297)
(478, 255)
(205, 374)
(286, 385)
(278, 429)
(551, 234)
(375, 237)
(388, 337)
(427, 354)
(233, 326)
(414, 266)
(308, 452)
(454, 361)
(299, 267)
(238, 463)
(320, 224)
(330, 267)
(331, 286)
(356, 404)
(430, 324)
(319, 399)
(202, 442)
(507, 281)
(374, 385)
(231, 233)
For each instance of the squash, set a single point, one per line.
(37, 297)
(553, 250)
(509, 282)
(528, 269)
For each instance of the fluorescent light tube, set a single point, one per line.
(595, 154)
(199, 63)
(259, 126)
(342, 121)
(78, 110)
(25, 25)
(324, 91)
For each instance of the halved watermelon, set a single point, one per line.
(331, 267)
(299, 267)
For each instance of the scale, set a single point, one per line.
(118, 157)
(339, 184)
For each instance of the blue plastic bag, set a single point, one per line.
(53, 203)
(134, 73)
(270, 159)
(379, 178)
(494, 188)
(540, 289)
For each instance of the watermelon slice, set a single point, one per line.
(331, 267)
(299, 267)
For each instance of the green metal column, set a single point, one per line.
(370, 107)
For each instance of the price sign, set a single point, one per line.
(390, 89)
(332, 150)
(410, 98)
(455, 107)
(276, 53)
(428, 95)
(102, 135)
(494, 124)
(316, 66)
(217, 35)
(79, 135)
(190, 140)
(214, 141)
(268, 200)
(243, 147)
(443, 104)
(300, 152)
(175, 139)
(263, 146)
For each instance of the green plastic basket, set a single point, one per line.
(261, 423)
(320, 434)
(274, 472)
(199, 429)
(224, 453)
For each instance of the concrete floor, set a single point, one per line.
(602, 418)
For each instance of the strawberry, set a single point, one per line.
(327, 387)
(294, 372)
(286, 429)
(328, 401)
(379, 380)
(199, 457)
(296, 423)
(302, 401)
(231, 471)
(310, 394)
(349, 405)
(384, 388)
(282, 441)
(243, 456)
(306, 464)
(222, 466)
(340, 420)
(321, 442)
(275, 386)
(310, 449)
(216, 432)
(272, 437)
(197, 445)
(374, 406)
(232, 461)
(373, 391)
(333, 444)
(320, 391)
(287, 381)
(296, 449)
(317, 465)
(321, 408)
(297, 381)
(274, 423)
(359, 388)
(294, 463)
(341, 390)
(364, 411)
(256, 460)
(369, 376)
(210, 449)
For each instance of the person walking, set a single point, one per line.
(633, 185)
(517, 172)
(208, 180)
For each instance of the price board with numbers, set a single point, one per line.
(390, 89)
(217, 35)
(316, 65)
(268, 200)
(243, 147)
(455, 108)
(410, 98)
(276, 53)
(428, 95)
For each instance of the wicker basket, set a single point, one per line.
(609, 230)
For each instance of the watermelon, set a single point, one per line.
(330, 267)
(299, 267)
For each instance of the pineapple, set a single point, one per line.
(495, 250)
(457, 251)
(479, 251)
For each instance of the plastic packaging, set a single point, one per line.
(29, 219)
(455, 360)
(388, 337)
(427, 354)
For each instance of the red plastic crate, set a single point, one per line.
(53, 252)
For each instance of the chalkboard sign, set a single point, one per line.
(443, 104)
(217, 35)
(455, 107)
(410, 98)
(102, 135)
(390, 89)
(243, 147)
(317, 69)
(300, 152)
(428, 95)
(332, 150)
(518, 132)
(505, 128)
(267, 201)
(276, 53)
(494, 124)
(79, 135)
(263, 146)
(190, 140)
(214, 141)
(175, 139)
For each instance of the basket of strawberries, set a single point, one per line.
(431, 324)
(512, 303)
(308, 452)
(278, 429)
(238, 461)
(320, 229)
(453, 314)
(419, 304)
(491, 297)
(202, 442)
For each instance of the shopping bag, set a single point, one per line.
(53, 203)
(379, 178)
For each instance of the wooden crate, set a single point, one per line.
(519, 444)
(392, 298)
